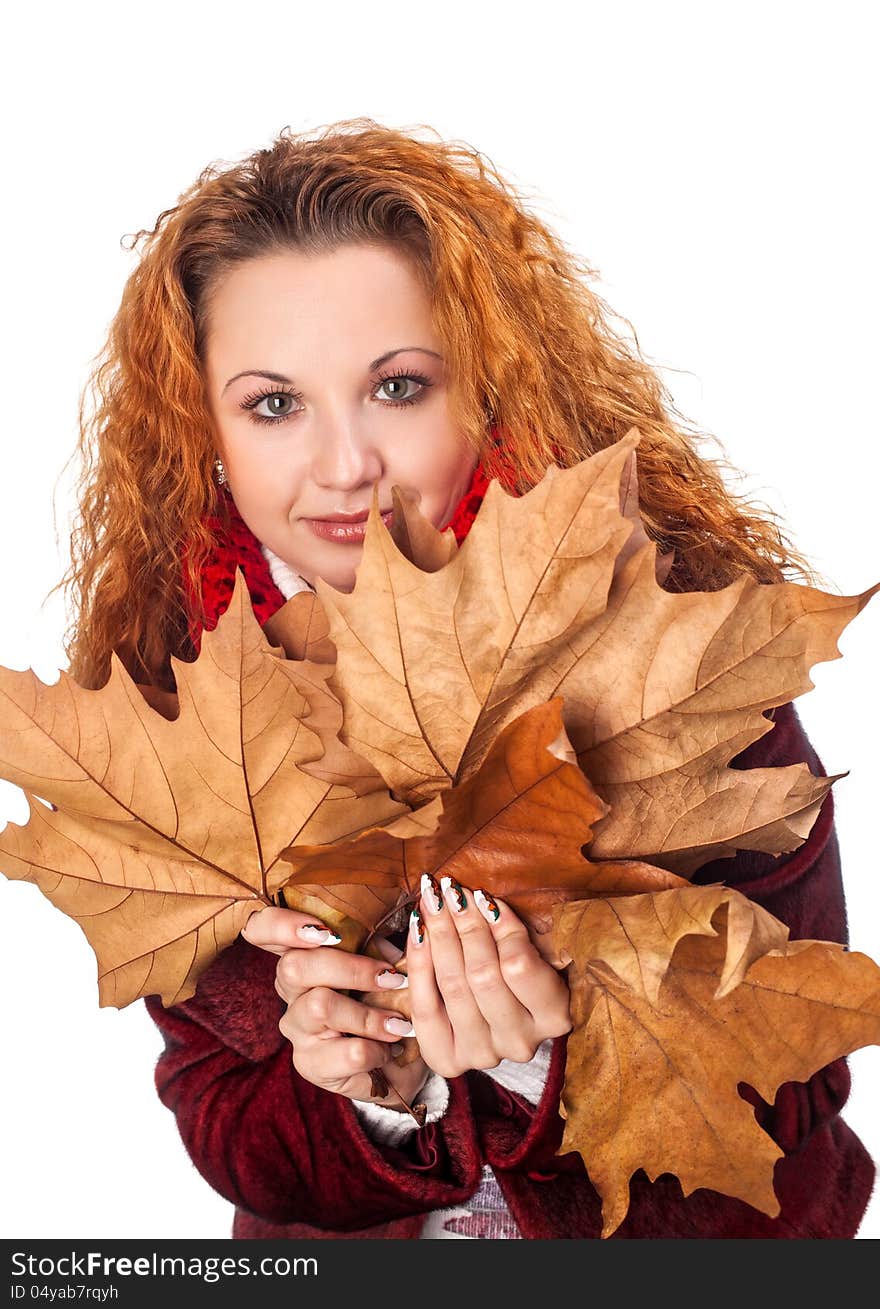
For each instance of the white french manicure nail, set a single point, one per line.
(399, 1027)
(487, 906)
(430, 893)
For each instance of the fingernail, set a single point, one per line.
(399, 1027)
(318, 935)
(487, 906)
(416, 926)
(397, 1048)
(390, 977)
(454, 893)
(431, 893)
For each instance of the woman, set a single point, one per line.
(355, 310)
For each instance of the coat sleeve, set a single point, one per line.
(803, 889)
(273, 1143)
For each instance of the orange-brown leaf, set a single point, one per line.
(516, 828)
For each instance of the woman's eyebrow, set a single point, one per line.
(280, 377)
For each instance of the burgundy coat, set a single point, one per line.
(296, 1162)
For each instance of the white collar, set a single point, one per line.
(288, 581)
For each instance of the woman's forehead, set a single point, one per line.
(296, 310)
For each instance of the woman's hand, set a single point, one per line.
(479, 990)
(336, 1040)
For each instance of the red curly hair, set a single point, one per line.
(528, 345)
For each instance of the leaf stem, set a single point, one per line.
(417, 1111)
(385, 917)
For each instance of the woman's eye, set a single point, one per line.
(279, 405)
(397, 388)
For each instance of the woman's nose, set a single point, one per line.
(345, 455)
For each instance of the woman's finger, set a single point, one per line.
(338, 1062)
(331, 1063)
(299, 970)
(509, 1020)
(428, 1011)
(536, 984)
(277, 930)
(387, 949)
(321, 1009)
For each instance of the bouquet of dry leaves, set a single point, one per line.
(531, 713)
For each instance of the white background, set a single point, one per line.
(717, 165)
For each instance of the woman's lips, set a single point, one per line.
(346, 533)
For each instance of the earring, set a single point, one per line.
(219, 472)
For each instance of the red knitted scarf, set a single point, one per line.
(235, 546)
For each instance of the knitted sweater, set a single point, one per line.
(297, 1161)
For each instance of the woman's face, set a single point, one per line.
(325, 378)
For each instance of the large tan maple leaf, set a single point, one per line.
(556, 593)
(164, 832)
(677, 996)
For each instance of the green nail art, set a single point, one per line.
(417, 926)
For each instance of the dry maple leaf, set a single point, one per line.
(677, 996)
(420, 652)
(164, 833)
(556, 593)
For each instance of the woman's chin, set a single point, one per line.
(339, 579)
(331, 568)
(346, 585)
